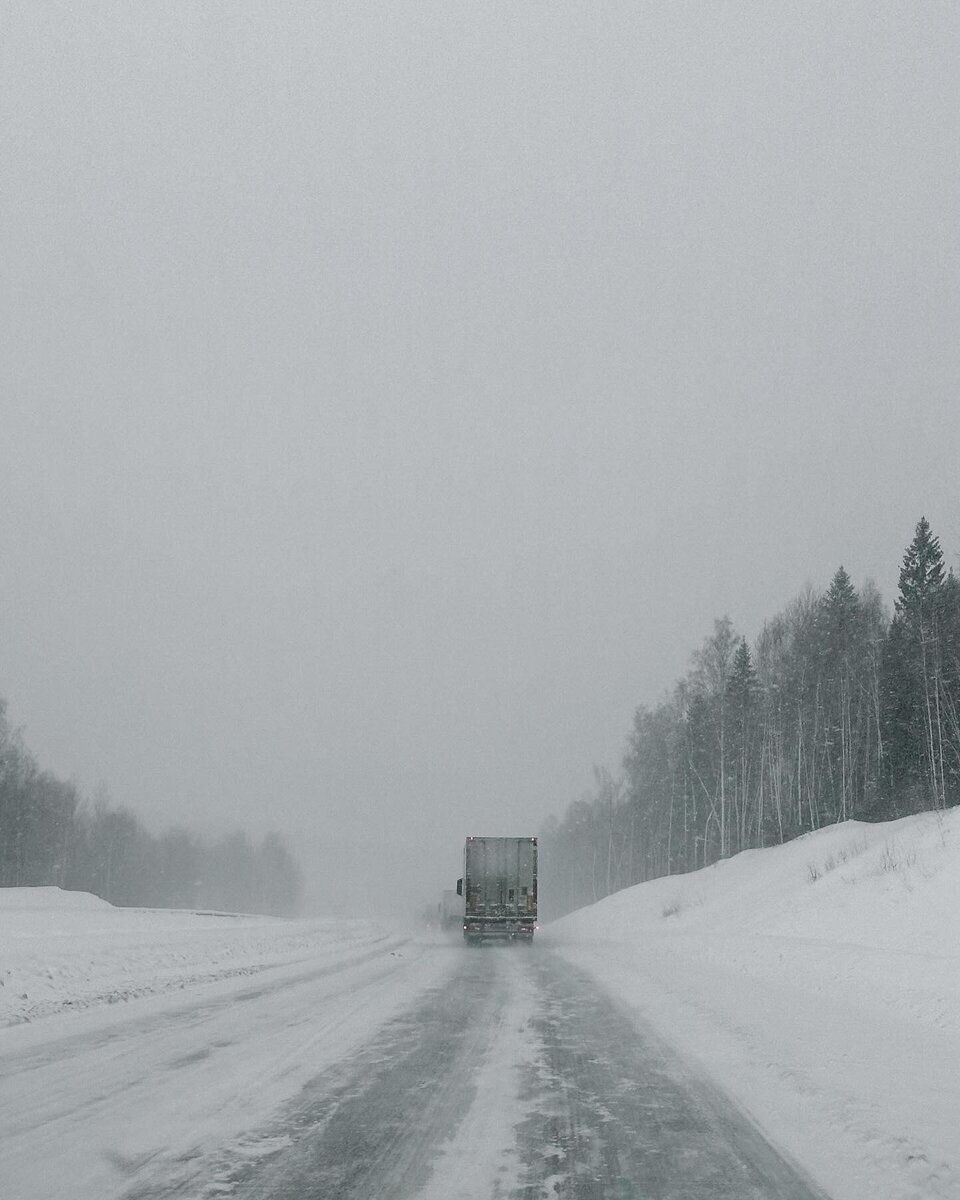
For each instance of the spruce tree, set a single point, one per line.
(839, 623)
(914, 692)
(840, 606)
(921, 577)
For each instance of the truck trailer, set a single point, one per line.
(499, 889)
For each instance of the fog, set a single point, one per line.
(394, 394)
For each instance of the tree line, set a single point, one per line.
(51, 835)
(838, 711)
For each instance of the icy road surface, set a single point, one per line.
(408, 1070)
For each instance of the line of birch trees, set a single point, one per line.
(838, 711)
(51, 835)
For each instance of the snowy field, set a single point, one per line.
(819, 984)
(63, 951)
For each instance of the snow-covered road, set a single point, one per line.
(805, 997)
(164, 1092)
(413, 1068)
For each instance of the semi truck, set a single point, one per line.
(499, 889)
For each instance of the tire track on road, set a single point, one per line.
(373, 1125)
(616, 1114)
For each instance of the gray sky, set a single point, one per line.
(394, 394)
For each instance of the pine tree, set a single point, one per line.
(921, 577)
(949, 638)
(840, 607)
(914, 678)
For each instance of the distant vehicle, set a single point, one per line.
(499, 889)
(451, 910)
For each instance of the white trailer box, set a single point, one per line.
(499, 889)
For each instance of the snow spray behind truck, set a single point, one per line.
(499, 889)
(451, 910)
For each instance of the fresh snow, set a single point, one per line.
(154, 1048)
(818, 982)
(68, 950)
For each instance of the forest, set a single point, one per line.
(839, 711)
(51, 835)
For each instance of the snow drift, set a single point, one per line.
(819, 983)
(62, 951)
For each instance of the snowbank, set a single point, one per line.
(40, 899)
(819, 983)
(61, 951)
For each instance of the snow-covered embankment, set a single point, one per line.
(64, 951)
(819, 983)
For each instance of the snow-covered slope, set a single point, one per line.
(61, 951)
(819, 982)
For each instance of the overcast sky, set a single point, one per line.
(393, 394)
